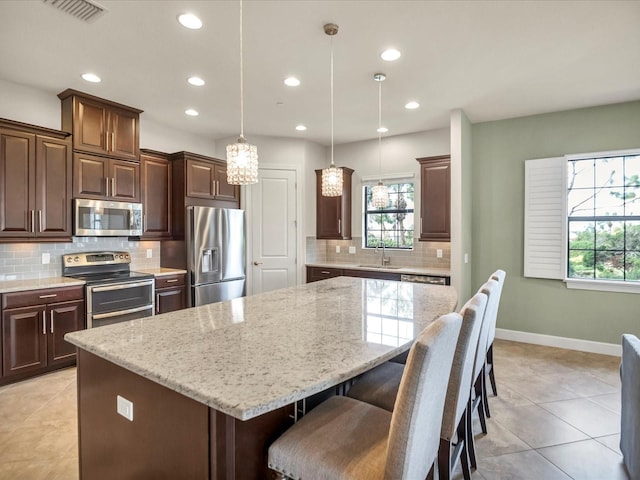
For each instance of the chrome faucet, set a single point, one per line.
(385, 260)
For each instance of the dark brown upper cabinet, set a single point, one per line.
(333, 214)
(104, 178)
(101, 127)
(155, 187)
(35, 183)
(435, 198)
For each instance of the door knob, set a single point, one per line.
(257, 263)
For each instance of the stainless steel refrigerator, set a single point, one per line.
(213, 253)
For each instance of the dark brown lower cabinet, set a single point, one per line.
(33, 336)
(321, 273)
(171, 293)
(171, 436)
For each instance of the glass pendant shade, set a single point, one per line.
(242, 163)
(332, 181)
(380, 196)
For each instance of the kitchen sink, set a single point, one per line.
(386, 267)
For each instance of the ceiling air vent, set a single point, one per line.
(85, 10)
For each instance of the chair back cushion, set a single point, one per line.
(414, 435)
(499, 276)
(459, 387)
(630, 413)
(490, 289)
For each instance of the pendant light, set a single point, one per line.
(242, 157)
(332, 176)
(380, 193)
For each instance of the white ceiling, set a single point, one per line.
(493, 59)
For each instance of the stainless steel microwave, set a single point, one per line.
(103, 218)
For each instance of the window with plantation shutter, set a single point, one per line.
(545, 204)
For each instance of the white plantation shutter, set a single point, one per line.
(545, 218)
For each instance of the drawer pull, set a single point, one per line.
(324, 272)
(173, 280)
(52, 295)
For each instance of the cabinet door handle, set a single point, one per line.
(33, 221)
(339, 226)
(106, 181)
(113, 186)
(106, 141)
(40, 221)
(113, 142)
(51, 329)
(44, 323)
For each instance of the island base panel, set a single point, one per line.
(167, 439)
(171, 436)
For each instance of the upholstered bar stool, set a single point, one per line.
(348, 439)
(630, 412)
(380, 386)
(478, 401)
(499, 276)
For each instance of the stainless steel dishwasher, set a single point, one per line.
(430, 279)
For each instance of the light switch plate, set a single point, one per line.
(125, 408)
(352, 249)
(46, 258)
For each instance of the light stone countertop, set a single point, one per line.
(161, 272)
(252, 355)
(411, 270)
(8, 286)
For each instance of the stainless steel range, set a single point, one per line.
(113, 292)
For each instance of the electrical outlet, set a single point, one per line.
(439, 253)
(46, 258)
(337, 248)
(125, 408)
(149, 253)
(352, 249)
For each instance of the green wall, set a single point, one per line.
(499, 151)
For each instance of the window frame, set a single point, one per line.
(547, 255)
(392, 211)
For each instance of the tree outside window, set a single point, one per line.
(604, 218)
(393, 225)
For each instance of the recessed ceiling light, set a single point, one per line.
(191, 112)
(91, 77)
(301, 128)
(189, 20)
(382, 130)
(390, 55)
(195, 81)
(291, 82)
(412, 105)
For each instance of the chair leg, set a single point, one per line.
(492, 377)
(444, 460)
(432, 472)
(479, 403)
(464, 438)
(469, 440)
(485, 398)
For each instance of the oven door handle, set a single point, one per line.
(121, 312)
(121, 286)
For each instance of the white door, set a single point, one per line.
(273, 225)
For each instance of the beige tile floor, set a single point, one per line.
(556, 416)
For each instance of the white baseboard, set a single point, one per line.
(560, 342)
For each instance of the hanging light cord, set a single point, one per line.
(241, 80)
(379, 129)
(332, 164)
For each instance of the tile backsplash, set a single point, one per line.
(424, 254)
(23, 261)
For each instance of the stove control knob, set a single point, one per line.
(76, 259)
(126, 256)
(121, 256)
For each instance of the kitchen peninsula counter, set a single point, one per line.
(400, 269)
(229, 373)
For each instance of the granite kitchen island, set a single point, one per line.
(209, 388)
